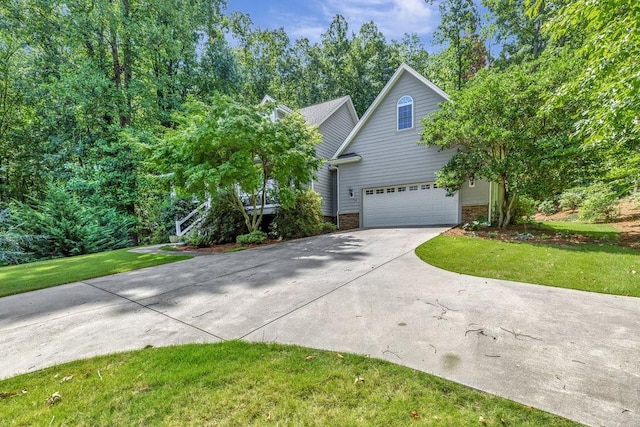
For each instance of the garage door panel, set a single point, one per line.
(411, 204)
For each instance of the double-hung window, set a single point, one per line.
(405, 113)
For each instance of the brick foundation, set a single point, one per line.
(472, 212)
(349, 221)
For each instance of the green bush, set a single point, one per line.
(600, 204)
(223, 222)
(194, 238)
(13, 241)
(572, 198)
(548, 207)
(525, 209)
(255, 237)
(302, 218)
(70, 227)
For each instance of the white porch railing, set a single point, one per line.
(184, 225)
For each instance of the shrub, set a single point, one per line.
(256, 237)
(525, 209)
(600, 204)
(302, 218)
(13, 241)
(194, 238)
(70, 227)
(572, 198)
(548, 207)
(476, 225)
(222, 223)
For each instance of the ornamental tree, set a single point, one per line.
(502, 135)
(238, 148)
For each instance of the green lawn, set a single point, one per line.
(602, 267)
(604, 232)
(44, 274)
(237, 383)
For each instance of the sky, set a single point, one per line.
(310, 18)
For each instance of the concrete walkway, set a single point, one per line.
(573, 353)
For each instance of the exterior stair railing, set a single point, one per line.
(184, 225)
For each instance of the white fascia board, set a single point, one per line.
(394, 79)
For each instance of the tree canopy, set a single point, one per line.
(503, 135)
(88, 88)
(238, 148)
(608, 85)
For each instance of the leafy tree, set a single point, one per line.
(519, 33)
(608, 85)
(239, 149)
(502, 135)
(459, 30)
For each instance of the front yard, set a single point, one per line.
(589, 257)
(237, 383)
(44, 274)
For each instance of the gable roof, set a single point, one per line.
(267, 99)
(403, 68)
(317, 114)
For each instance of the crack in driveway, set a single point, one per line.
(156, 311)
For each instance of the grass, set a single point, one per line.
(238, 383)
(169, 248)
(605, 232)
(604, 267)
(44, 274)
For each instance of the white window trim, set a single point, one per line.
(398, 105)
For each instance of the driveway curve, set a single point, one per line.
(572, 353)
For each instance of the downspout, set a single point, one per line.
(337, 196)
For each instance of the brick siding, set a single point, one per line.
(472, 212)
(349, 221)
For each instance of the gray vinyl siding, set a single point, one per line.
(389, 156)
(477, 195)
(334, 131)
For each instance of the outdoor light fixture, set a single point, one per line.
(351, 193)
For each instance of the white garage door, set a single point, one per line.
(411, 204)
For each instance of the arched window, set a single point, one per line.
(405, 113)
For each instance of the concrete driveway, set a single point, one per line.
(573, 353)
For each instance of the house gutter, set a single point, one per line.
(344, 161)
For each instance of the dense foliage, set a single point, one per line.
(502, 135)
(239, 149)
(88, 90)
(301, 218)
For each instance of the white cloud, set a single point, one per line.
(393, 18)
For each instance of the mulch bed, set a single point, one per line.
(628, 223)
(526, 233)
(226, 247)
